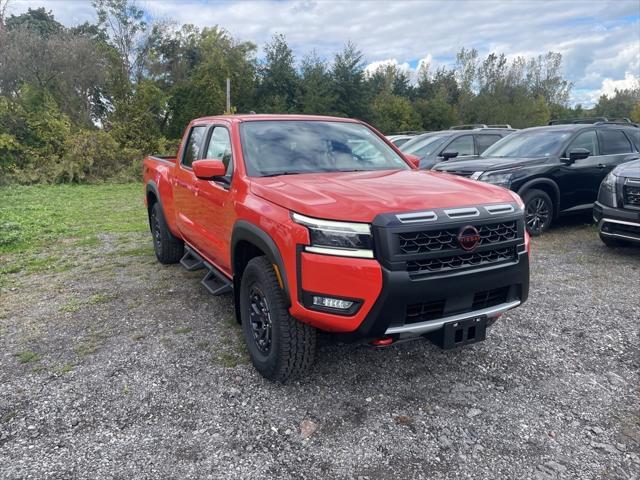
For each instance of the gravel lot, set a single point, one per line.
(118, 367)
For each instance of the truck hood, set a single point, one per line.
(629, 169)
(483, 164)
(360, 196)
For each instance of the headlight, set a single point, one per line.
(502, 179)
(337, 238)
(607, 192)
(476, 175)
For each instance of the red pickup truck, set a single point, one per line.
(320, 224)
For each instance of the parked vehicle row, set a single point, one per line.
(556, 169)
(319, 224)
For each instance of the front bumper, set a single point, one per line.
(618, 223)
(390, 299)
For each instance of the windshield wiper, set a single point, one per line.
(277, 174)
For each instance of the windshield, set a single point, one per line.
(427, 146)
(305, 146)
(529, 144)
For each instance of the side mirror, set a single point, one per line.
(578, 154)
(208, 169)
(415, 161)
(448, 154)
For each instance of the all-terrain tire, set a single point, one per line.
(292, 344)
(168, 248)
(538, 210)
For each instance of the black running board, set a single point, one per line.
(214, 280)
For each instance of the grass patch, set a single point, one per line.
(230, 360)
(33, 216)
(101, 298)
(27, 356)
(182, 330)
(88, 346)
(66, 368)
(71, 306)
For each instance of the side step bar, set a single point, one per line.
(214, 280)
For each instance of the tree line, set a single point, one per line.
(86, 103)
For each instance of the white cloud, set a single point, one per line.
(373, 66)
(598, 40)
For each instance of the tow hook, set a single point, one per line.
(382, 342)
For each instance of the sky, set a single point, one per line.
(599, 39)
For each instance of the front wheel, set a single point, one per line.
(281, 348)
(538, 209)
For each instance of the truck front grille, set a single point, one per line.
(455, 262)
(632, 195)
(442, 240)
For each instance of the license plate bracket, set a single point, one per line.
(460, 332)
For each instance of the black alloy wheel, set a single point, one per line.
(260, 318)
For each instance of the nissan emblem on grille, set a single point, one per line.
(469, 238)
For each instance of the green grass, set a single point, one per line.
(28, 356)
(36, 216)
(40, 224)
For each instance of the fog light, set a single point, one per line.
(329, 302)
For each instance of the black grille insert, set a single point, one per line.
(455, 262)
(442, 240)
(422, 312)
(490, 298)
(632, 195)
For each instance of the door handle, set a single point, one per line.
(602, 165)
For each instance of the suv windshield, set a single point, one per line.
(427, 146)
(529, 144)
(286, 147)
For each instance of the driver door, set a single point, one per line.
(579, 181)
(215, 213)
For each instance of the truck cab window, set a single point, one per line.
(220, 148)
(192, 148)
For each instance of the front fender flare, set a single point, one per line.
(543, 181)
(245, 231)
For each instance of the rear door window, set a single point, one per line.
(634, 135)
(587, 140)
(463, 145)
(485, 141)
(613, 142)
(193, 146)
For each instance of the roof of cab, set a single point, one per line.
(252, 117)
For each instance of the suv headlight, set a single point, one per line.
(607, 192)
(503, 179)
(337, 238)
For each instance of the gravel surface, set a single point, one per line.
(122, 368)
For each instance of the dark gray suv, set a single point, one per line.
(460, 142)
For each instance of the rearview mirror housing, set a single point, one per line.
(448, 154)
(209, 168)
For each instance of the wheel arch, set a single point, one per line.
(249, 241)
(152, 196)
(546, 185)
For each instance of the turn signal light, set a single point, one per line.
(330, 302)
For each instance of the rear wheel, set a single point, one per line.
(538, 209)
(167, 247)
(281, 348)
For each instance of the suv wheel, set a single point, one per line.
(280, 347)
(168, 248)
(538, 209)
